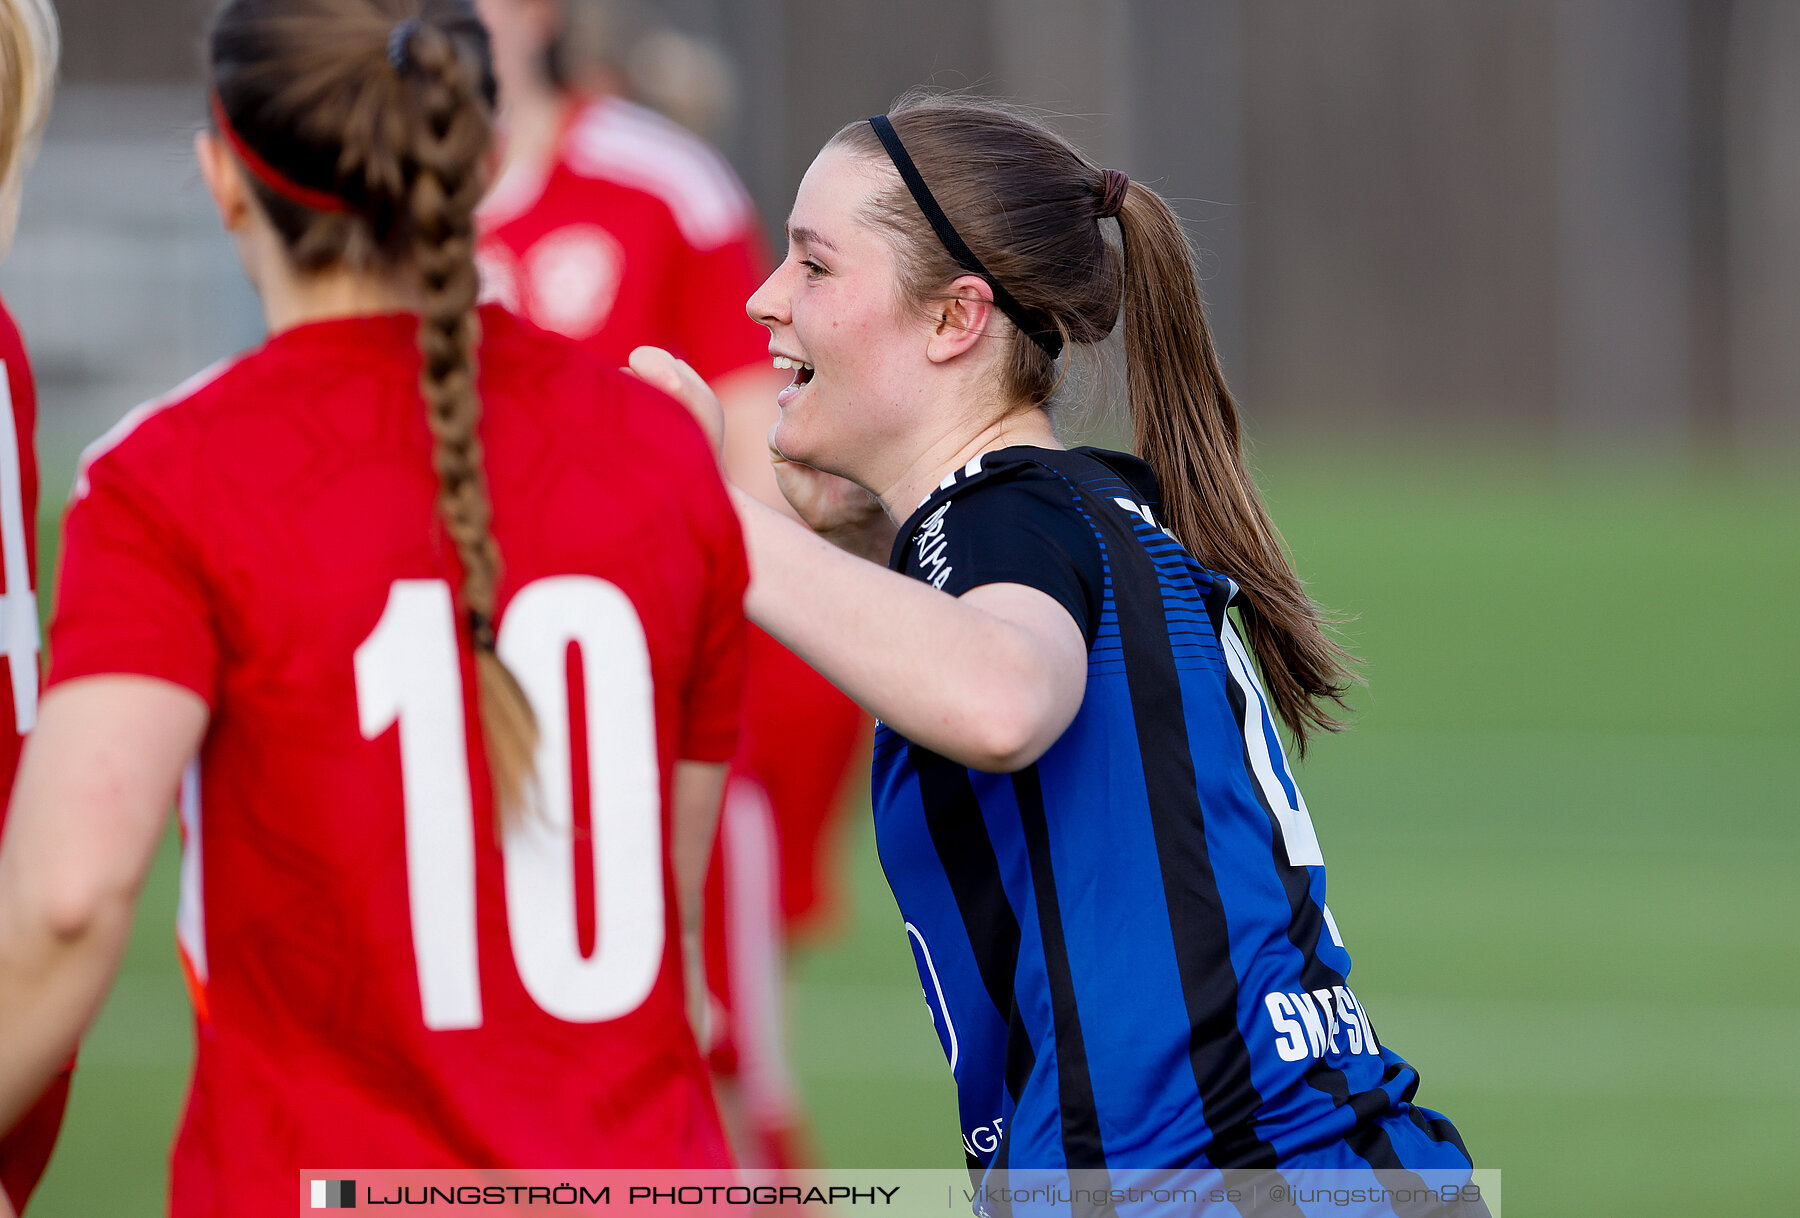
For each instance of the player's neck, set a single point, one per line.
(290, 299)
(953, 452)
(533, 127)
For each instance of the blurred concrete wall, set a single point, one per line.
(120, 276)
(1574, 219)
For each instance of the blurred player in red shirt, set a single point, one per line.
(28, 46)
(618, 228)
(436, 622)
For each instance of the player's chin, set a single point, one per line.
(796, 441)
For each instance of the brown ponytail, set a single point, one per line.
(1029, 205)
(387, 105)
(1185, 424)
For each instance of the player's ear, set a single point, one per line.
(962, 317)
(224, 180)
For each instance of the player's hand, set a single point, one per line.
(835, 508)
(660, 370)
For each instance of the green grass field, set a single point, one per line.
(1563, 845)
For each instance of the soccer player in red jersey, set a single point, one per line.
(618, 228)
(447, 685)
(28, 46)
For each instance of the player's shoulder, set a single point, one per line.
(1005, 475)
(590, 396)
(994, 493)
(1065, 477)
(157, 431)
(624, 143)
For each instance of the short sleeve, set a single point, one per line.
(131, 598)
(717, 335)
(716, 685)
(1021, 529)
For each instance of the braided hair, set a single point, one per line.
(364, 125)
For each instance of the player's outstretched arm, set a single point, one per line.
(94, 791)
(699, 790)
(989, 679)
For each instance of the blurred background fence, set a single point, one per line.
(1572, 221)
(1511, 292)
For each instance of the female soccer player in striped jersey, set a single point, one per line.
(1108, 877)
(404, 548)
(28, 54)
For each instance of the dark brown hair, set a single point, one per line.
(1028, 204)
(387, 105)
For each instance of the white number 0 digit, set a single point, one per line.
(407, 672)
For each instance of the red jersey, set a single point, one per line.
(26, 1148)
(636, 232)
(379, 980)
(18, 550)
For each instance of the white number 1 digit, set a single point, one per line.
(18, 604)
(407, 671)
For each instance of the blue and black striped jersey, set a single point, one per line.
(1125, 946)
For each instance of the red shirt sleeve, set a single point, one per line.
(25, 1149)
(132, 597)
(717, 335)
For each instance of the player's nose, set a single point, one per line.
(768, 305)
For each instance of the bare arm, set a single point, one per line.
(94, 791)
(699, 788)
(989, 679)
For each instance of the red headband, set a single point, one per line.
(266, 173)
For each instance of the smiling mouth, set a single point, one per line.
(803, 371)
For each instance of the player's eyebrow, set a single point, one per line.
(809, 236)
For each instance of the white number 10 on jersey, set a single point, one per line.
(408, 672)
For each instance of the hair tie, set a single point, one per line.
(400, 42)
(481, 631)
(1035, 325)
(1113, 186)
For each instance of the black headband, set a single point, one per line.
(1033, 324)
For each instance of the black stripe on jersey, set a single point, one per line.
(1439, 1129)
(1216, 1048)
(1082, 1147)
(1218, 600)
(953, 817)
(1370, 1141)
